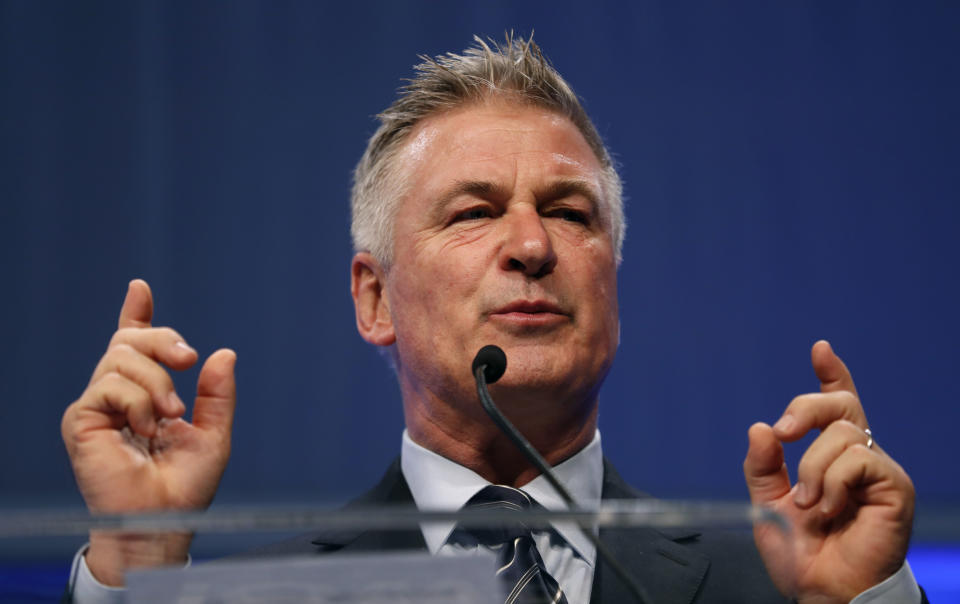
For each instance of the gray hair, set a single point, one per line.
(516, 70)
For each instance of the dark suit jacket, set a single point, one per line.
(674, 566)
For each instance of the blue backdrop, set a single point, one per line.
(791, 173)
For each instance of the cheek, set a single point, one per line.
(598, 279)
(592, 258)
(438, 294)
(613, 303)
(463, 236)
(608, 294)
(409, 306)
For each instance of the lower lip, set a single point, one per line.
(529, 319)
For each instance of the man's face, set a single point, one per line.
(503, 239)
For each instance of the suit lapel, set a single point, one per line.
(658, 560)
(391, 490)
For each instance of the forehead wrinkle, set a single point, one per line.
(505, 142)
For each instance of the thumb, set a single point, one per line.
(216, 392)
(764, 469)
(137, 310)
(831, 371)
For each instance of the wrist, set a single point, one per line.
(111, 554)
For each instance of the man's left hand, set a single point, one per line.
(852, 506)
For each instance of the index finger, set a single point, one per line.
(818, 410)
(137, 310)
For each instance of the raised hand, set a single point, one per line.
(852, 506)
(130, 448)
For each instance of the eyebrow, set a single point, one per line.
(476, 188)
(570, 187)
(489, 190)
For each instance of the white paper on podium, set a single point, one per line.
(343, 579)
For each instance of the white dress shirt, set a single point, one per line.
(441, 484)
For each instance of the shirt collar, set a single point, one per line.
(438, 483)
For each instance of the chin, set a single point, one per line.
(541, 376)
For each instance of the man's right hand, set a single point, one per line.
(130, 448)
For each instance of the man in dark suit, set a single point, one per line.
(674, 566)
(486, 210)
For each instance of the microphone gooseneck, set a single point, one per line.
(489, 366)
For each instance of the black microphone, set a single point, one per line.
(489, 366)
(493, 361)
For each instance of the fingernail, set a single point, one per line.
(801, 495)
(786, 423)
(175, 403)
(184, 346)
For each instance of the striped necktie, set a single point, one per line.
(521, 568)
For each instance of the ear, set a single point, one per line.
(370, 303)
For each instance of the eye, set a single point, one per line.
(472, 214)
(571, 215)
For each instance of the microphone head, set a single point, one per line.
(494, 361)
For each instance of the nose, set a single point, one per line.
(528, 247)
